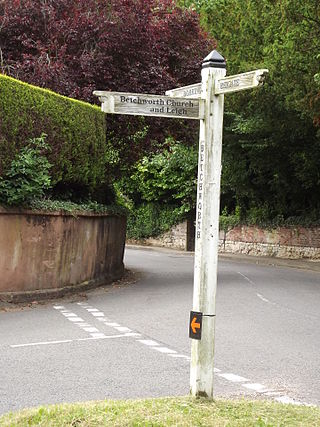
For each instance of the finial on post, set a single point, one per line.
(214, 60)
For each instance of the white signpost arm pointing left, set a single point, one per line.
(207, 226)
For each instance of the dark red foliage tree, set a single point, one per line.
(76, 46)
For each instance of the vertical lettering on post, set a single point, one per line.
(200, 190)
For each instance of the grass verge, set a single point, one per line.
(184, 411)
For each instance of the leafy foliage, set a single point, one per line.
(28, 176)
(76, 134)
(271, 141)
(161, 190)
(48, 204)
(167, 177)
(150, 219)
(76, 46)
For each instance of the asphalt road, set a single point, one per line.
(131, 340)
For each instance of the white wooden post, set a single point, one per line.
(200, 101)
(207, 226)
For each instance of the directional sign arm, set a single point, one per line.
(240, 82)
(139, 104)
(192, 91)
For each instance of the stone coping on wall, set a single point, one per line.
(61, 212)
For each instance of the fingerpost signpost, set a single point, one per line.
(205, 102)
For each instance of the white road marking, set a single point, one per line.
(179, 356)
(164, 350)
(287, 399)
(91, 329)
(233, 378)
(263, 298)
(122, 329)
(97, 335)
(75, 319)
(247, 278)
(59, 307)
(39, 343)
(69, 341)
(256, 387)
(148, 342)
(272, 393)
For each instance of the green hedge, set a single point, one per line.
(75, 131)
(151, 220)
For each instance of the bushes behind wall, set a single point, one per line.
(75, 132)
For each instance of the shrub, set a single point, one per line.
(28, 176)
(75, 131)
(150, 219)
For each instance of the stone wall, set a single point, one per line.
(176, 238)
(45, 251)
(283, 242)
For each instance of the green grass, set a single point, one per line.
(184, 411)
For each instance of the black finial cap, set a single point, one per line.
(214, 60)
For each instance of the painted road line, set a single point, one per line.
(233, 378)
(97, 335)
(259, 388)
(287, 399)
(59, 307)
(75, 319)
(91, 329)
(164, 350)
(70, 341)
(247, 278)
(263, 298)
(94, 332)
(123, 329)
(113, 324)
(148, 342)
(179, 356)
(40, 343)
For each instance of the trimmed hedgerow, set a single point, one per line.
(75, 132)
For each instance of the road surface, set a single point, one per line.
(131, 340)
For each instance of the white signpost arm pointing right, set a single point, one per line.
(207, 226)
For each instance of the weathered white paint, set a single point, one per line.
(191, 91)
(207, 233)
(240, 82)
(150, 105)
